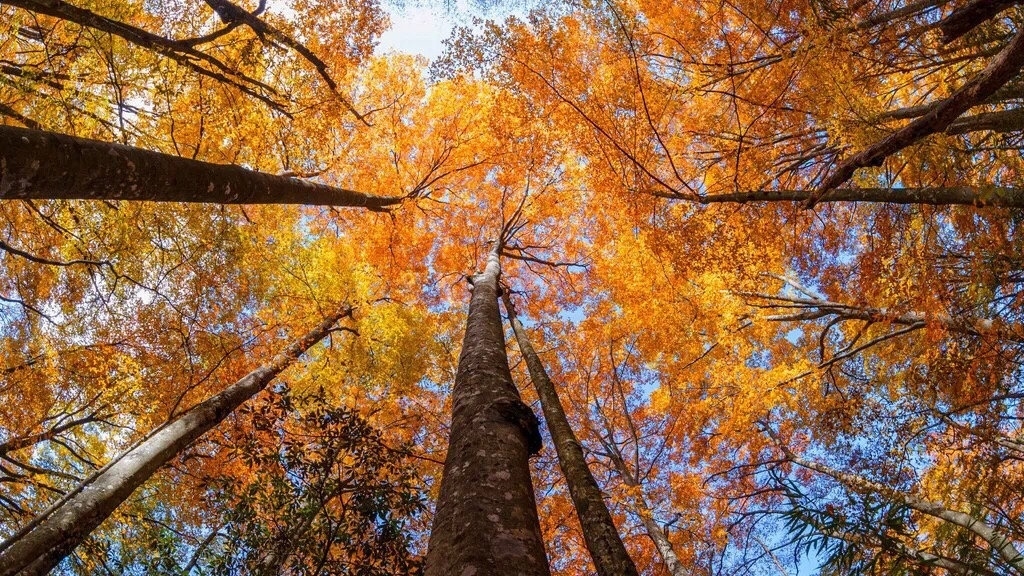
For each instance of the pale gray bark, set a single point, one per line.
(1000, 543)
(640, 507)
(40, 546)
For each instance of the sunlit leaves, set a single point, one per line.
(883, 341)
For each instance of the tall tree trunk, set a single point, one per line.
(45, 165)
(486, 518)
(599, 532)
(40, 546)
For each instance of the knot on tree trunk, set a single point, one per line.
(517, 413)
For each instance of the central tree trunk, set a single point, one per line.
(486, 518)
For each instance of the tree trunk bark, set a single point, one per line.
(46, 165)
(599, 532)
(486, 518)
(40, 546)
(980, 196)
(966, 18)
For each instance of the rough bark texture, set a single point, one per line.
(486, 518)
(1002, 121)
(41, 545)
(599, 532)
(980, 196)
(999, 71)
(46, 165)
(1013, 90)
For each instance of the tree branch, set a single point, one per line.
(979, 196)
(47, 165)
(999, 542)
(968, 17)
(999, 71)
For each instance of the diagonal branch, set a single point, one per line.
(999, 71)
(47, 539)
(232, 14)
(999, 542)
(890, 544)
(181, 52)
(971, 15)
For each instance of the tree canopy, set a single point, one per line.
(766, 255)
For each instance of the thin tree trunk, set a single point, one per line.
(486, 518)
(599, 532)
(643, 510)
(40, 546)
(46, 165)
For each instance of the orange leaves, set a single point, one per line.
(881, 339)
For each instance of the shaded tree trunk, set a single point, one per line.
(43, 543)
(486, 517)
(599, 532)
(980, 196)
(46, 165)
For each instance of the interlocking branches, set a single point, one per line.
(232, 15)
(509, 247)
(54, 432)
(186, 52)
(806, 305)
(181, 52)
(1004, 67)
(970, 16)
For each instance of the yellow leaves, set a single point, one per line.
(720, 536)
(660, 400)
(593, 113)
(396, 346)
(343, 31)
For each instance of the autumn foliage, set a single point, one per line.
(768, 253)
